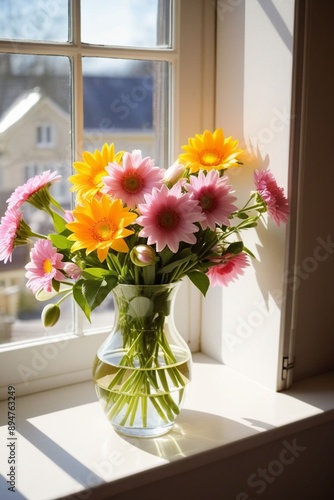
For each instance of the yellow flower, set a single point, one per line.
(100, 225)
(210, 151)
(88, 180)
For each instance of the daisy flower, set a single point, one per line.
(168, 218)
(88, 179)
(100, 225)
(10, 224)
(228, 268)
(273, 195)
(210, 151)
(213, 195)
(131, 180)
(32, 186)
(45, 265)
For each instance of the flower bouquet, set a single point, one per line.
(137, 224)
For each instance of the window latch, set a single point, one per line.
(287, 365)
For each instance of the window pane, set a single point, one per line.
(126, 103)
(34, 102)
(129, 23)
(34, 20)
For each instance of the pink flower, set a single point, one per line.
(72, 270)
(213, 195)
(227, 269)
(132, 180)
(23, 193)
(10, 224)
(168, 218)
(45, 266)
(68, 216)
(277, 204)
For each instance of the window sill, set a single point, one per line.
(65, 446)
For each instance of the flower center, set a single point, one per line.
(132, 182)
(104, 230)
(208, 201)
(47, 266)
(209, 158)
(168, 219)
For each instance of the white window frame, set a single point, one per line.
(46, 363)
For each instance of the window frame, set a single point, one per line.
(50, 362)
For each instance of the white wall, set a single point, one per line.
(253, 99)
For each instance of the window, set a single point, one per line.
(45, 136)
(130, 88)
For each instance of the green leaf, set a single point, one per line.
(242, 215)
(96, 291)
(61, 241)
(249, 252)
(200, 280)
(80, 299)
(166, 255)
(246, 226)
(97, 272)
(186, 256)
(58, 222)
(235, 247)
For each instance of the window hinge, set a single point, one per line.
(287, 365)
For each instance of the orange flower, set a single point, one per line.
(100, 225)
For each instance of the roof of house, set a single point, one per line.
(110, 103)
(118, 103)
(19, 108)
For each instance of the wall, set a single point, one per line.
(242, 322)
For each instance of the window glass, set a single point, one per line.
(34, 20)
(129, 23)
(35, 90)
(125, 103)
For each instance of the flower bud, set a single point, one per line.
(143, 255)
(50, 315)
(173, 173)
(72, 270)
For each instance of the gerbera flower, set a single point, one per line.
(133, 179)
(44, 266)
(273, 195)
(88, 179)
(228, 268)
(210, 151)
(213, 195)
(100, 225)
(31, 187)
(168, 218)
(10, 224)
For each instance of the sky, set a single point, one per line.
(115, 22)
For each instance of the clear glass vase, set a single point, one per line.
(142, 370)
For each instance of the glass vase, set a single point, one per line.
(142, 370)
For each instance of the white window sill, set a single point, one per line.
(65, 446)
